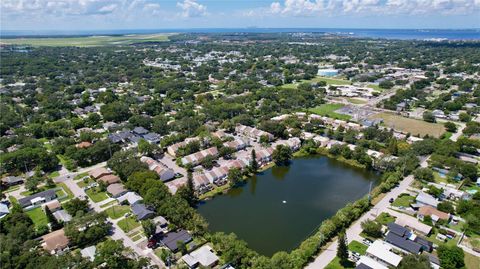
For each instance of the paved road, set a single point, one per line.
(353, 232)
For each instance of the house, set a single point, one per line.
(62, 216)
(434, 213)
(237, 144)
(152, 138)
(99, 172)
(161, 224)
(141, 211)
(89, 252)
(171, 239)
(12, 181)
(55, 242)
(253, 133)
(109, 179)
(53, 205)
(140, 131)
(197, 158)
(116, 190)
(293, 143)
(83, 145)
(130, 197)
(403, 239)
(382, 253)
(173, 149)
(426, 199)
(366, 262)
(4, 210)
(38, 198)
(203, 256)
(414, 224)
(161, 169)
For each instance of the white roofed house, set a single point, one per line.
(382, 253)
(252, 133)
(426, 199)
(203, 256)
(237, 144)
(293, 143)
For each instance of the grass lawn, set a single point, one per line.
(38, 217)
(412, 126)
(87, 41)
(83, 184)
(108, 204)
(471, 261)
(385, 218)
(375, 87)
(79, 176)
(356, 101)
(358, 247)
(128, 224)
(117, 211)
(66, 189)
(335, 264)
(216, 191)
(328, 110)
(54, 174)
(329, 81)
(95, 195)
(137, 237)
(403, 200)
(12, 188)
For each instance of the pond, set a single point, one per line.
(279, 208)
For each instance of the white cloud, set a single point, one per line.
(190, 8)
(373, 7)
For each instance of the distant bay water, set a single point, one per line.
(404, 34)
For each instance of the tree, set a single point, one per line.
(187, 191)
(182, 247)
(148, 149)
(149, 227)
(31, 184)
(451, 257)
(125, 163)
(436, 192)
(234, 176)
(76, 206)
(253, 162)
(54, 225)
(428, 116)
(415, 261)
(450, 127)
(372, 228)
(342, 249)
(282, 154)
(115, 111)
(207, 162)
(425, 174)
(446, 206)
(464, 117)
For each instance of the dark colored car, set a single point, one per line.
(391, 200)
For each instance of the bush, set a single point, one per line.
(372, 228)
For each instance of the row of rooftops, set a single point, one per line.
(252, 132)
(198, 157)
(164, 172)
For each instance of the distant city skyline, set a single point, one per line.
(186, 14)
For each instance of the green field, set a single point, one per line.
(96, 195)
(117, 211)
(86, 41)
(38, 217)
(471, 261)
(128, 224)
(329, 81)
(328, 110)
(412, 126)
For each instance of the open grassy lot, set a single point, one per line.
(471, 262)
(128, 224)
(385, 218)
(403, 200)
(328, 110)
(38, 217)
(96, 195)
(117, 211)
(407, 125)
(358, 247)
(329, 81)
(86, 41)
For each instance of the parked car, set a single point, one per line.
(391, 200)
(367, 242)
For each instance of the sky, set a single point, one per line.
(169, 14)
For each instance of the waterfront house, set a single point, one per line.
(171, 239)
(202, 256)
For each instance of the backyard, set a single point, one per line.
(412, 126)
(328, 110)
(38, 217)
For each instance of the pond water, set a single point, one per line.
(279, 208)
